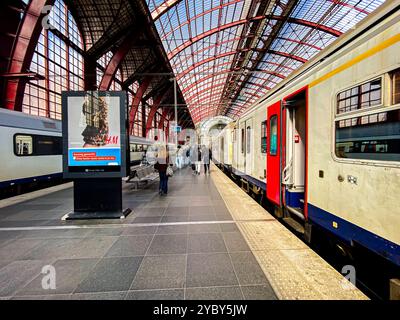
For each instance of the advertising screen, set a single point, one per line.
(95, 133)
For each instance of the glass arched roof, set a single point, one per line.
(228, 53)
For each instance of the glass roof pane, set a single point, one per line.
(212, 42)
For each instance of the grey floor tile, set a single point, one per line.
(201, 210)
(176, 211)
(161, 272)
(223, 217)
(105, 232)
(204, 228)
(17, 248)
(229, 227)
(147, 220)
(71, 248)
(264, 292)
(55, 233)
(150, 212)
(247, 269)
(127, 246)
(215, 293)
(206, 242)
(177, 294)
(202, 217)
(44, 297)
(136, 231)
(17, 274)
(69, 274)
(174, 229)
(212, 269)
(179, 218)
(235, 242)
(99, 296)
(111, 274)
(168, 244)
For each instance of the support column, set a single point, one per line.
(90, 74)
(144, 118)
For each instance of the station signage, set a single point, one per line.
(94, 134)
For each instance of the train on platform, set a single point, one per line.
(322, 149)
(31, 151)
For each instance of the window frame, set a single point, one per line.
(248, 139)
(275, 117)
(264, 135)
(34, 142)
(386, 105)
(360, 84)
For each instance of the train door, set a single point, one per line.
(294, 162)
(274, 153)
(249, 147)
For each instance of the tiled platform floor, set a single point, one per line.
(183, 246)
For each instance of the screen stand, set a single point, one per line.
(97, 199)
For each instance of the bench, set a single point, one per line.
(142, 174)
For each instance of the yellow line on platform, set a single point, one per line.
(294, 271)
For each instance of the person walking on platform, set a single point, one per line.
(198, 160)
(206, 156)
(161, 166)
(194, 154)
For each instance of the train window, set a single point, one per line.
(242, 141)
(139, 148)
(370, 137)
(248, 140)
(273, 139)
(362, 96)
(23, 145)
(145, 147)
(47, 145)
(37, 145)
(264, 137)
(396, 86)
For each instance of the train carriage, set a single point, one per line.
(324, 145)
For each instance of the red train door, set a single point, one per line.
(274, 153)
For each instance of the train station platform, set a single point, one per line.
(206, 240)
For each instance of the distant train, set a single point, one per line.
(31, 149)
(323, 147)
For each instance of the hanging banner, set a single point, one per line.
(94, 134)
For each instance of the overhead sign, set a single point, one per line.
(94, 134)
(177, 129)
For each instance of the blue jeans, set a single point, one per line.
(163, 182)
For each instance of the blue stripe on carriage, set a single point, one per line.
(349, 233)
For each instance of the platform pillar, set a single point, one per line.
(97, 199)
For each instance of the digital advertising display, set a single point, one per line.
(94, 134)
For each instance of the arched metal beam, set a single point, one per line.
(136, 100)
(116, 61)
(201, 14)
(163, 8)
(223, 72)
(208, 33)
(348, 5)
(23, 50)
(189, 57)
(200, 63)
(153, 110)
